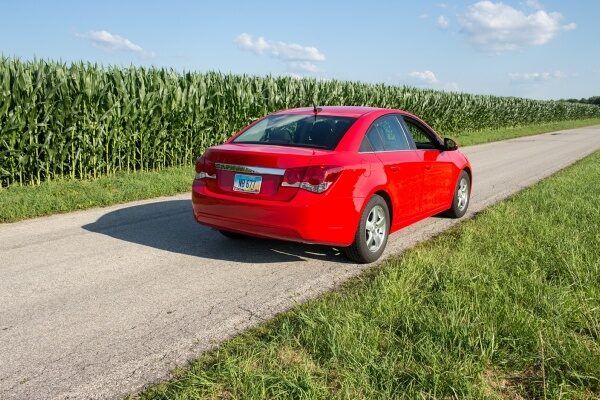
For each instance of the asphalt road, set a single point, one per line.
(99, 303)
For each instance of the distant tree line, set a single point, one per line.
(592, 100)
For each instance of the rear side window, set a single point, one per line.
(372, 140)
(365, 146)
(386, 134)
(322, 132)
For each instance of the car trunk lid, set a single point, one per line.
(256, 171)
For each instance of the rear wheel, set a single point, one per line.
(462, 195)
(232, 235)
(372, 233)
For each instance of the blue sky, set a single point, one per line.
(531, 48)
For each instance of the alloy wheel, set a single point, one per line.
(375, 229)
(462, 194)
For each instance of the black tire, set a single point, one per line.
(360, 251)
(460, 204)
(233, 235)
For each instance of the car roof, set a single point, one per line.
(346, 111)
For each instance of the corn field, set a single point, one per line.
(83, 120)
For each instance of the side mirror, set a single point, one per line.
(450, 144)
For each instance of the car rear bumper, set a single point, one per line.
(308, 217)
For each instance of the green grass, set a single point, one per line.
(505, 305)
(492, 135)
(20, 202)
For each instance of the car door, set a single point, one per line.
(403, 168)
(437, 166)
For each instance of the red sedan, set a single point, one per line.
(339, 176)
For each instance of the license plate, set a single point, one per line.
(247, 183)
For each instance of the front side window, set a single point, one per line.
(385, 134)
(323, 132)
(422, 139)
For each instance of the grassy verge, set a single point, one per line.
(492, 135)
(506, 305)
(20, 202)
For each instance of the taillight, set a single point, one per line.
(315, 179)
(205, 168)
(293, 177)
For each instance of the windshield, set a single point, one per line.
(322, 132)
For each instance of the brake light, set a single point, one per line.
(205, 169)
(293, 177)
(316, 179)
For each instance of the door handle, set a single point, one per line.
(428, 166)
(394, 168)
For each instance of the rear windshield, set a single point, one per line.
(322, 132)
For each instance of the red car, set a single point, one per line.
(340, 176)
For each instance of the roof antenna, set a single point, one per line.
(316, 110)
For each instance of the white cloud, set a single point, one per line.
(302, 66)
(442, 22)
(425, 79)
(111, 42)
(533, 77)
(451, 87)
(424, 76)
(497, 27)
(442, 5)
(245, 41)
(296, 57)
(534, 4)
(424, 16)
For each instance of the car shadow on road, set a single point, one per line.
(170, 225)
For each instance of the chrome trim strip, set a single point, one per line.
(250, 169)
